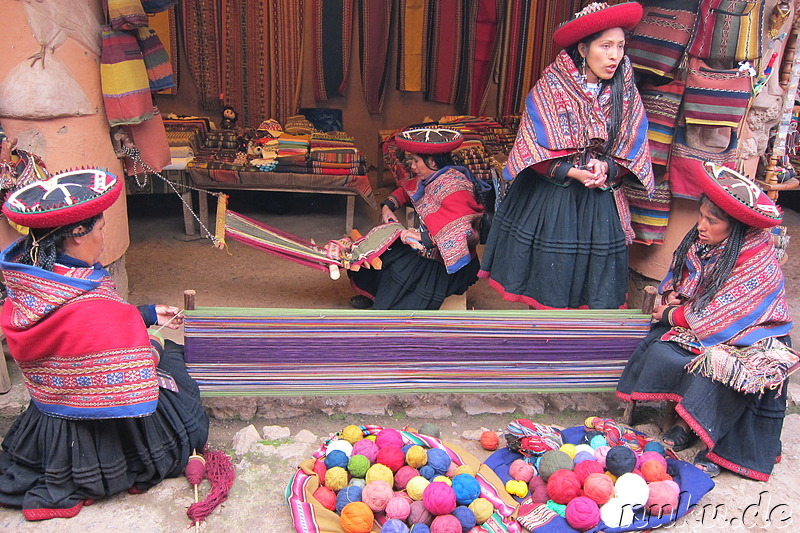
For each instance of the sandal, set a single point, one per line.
(706, 465)
(680, 438)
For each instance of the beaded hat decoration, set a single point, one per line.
(432, 140)
(597, 17)
(738, 196)
(66, 198)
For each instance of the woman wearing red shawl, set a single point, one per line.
(112, 407)
(558, 239)
(719, 351)
(427, 264)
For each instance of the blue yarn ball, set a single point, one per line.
(583, 456)
(599, 440)
(466, 517)
(654, 446)
(439, 460)
(420, 528)
(393, 525)
(466, 488)
(349, 494)
(428, 472)
(620, 460)
(337, 458)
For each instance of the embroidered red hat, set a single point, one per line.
(428, 140)
(597, 17)
(739, 196)
(66, 198)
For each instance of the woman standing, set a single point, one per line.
(559, 239)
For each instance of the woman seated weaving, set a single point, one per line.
(112, 408)
(719, 351)
(427, 264)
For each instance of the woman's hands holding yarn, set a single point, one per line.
(413, 238)
(169, 316)
(387, 215)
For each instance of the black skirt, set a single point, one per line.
(55, 463)
(409, 281)
(742, 431)
(557, 246)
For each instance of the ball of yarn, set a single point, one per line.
(589, 434)
(616, 513)
(428, 472)
(662, 499)
(367, 448)
(352, 434)
(347, 495)
(584, 468)
(466, 488)
(654, 471)
(583, 448)
(320, 469)
(538, 490)
(336, 478)
(489, 440)
(439, 460)
(582, 513)
(439, 498)
(419, 514)
(416, 456)
(521, 470)
(620, 460)
(356, 517)
(611, 476)
(394, 525)
(336, 458)
(652, 456)
(517, 488)
(379, 472)
(376, 495)
(464, 469)
(326, 497)
(398, 507)
(465, 517)
(563, 486)
(654, 446)
(482, 508)
(558, 508)
(430, 430)
(357, 482)
(598, 487)
(403, 475)
(553, 460)
(569, 449)
(446, 523)
(631, 489)
(420, 528)
(416, 486)
(371, 437)
(600, 455)
(389, 437)
(451, 470)
(443, 479)
(597, 441)
(391, 456)
(340, 445)
(583, 455)
(358, 466)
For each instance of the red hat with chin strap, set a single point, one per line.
(597, 17)
(738, 196)
(430, 140)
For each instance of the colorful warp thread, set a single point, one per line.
(412, 46)
(333, 36)
(202, 40)
(445, 37)
(375, 20)
(276, 351)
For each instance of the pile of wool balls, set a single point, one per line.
(590, 482)
(417, 489)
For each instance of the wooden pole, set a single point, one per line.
(189, 300)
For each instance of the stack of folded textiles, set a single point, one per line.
(292, 153)
(186, 135)
(335, 153)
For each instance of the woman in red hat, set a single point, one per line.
(428, 263)
(558, 239)
(112, 406)
(719, 352)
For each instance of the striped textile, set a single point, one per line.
(662, 105)
(481, 37)
(285, 57)
(412, 45)
(275, 352)
(446, 34)
(202, 41)
(156, 60)
(166, 26)
(333, 38)
(649, 214)
(123, 79)
(375, 20)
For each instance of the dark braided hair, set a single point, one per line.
(50, 241)
(721, 270)
(440, 160)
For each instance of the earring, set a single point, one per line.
(583, 69)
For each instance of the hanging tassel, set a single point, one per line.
(222, 211)
(220, 472)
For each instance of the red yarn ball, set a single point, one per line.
(392, 457)
(439, 498)
(403, 475)
(195, 469)
(489, 440)
(389, 437)
(584, 468)
(320, 469)
(537, 488)
(598, 487)
(326, 497)
(563, 486)
(582, 513)
(446, 523)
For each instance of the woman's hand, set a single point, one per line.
(169, 316)
(658, 312)
(387, 215)
(413, 238)
(588, 177)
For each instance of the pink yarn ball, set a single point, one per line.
(451, 470)
(521, 471)
(419, 514)
(537, 488)
(403, 475)
(439, 498)
(599, 488)
(584, 468)
(674, 485)
(376, 494)
(662, 500)
(599, 454)
(389, 437)
(398, 507)
(367, 448)
(446, 523)
(326, 497)
(651, 456)
(391, 456)
(582, 513)
(320, 469)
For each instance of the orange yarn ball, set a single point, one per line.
(489, 440)
(356, 517)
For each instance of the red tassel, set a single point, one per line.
(220, 472)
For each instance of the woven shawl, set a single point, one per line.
(202, 41)
(375, 22)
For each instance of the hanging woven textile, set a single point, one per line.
(375, 21)
(481, 33)
(333, 35)
(446, 33)
(412, 46)
(166, 25)
(285, 57)
(202, 38)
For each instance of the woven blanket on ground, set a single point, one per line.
(276, 352)
(310, 516)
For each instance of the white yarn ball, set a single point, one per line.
(584, 448)
(340, 444)
(632, 488)
(616, 513)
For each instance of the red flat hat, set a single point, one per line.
(428, 140)
(739, 196)
(66, 198)
(597, 17)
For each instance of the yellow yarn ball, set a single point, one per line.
(482, 508)
(336, 478)
(371, 437)
(612, 476)
(416, 457)
(416, 486)
(352, 434)
(444, 479)
(569, 449)
(379, 472)
(465, 469)
(589, 422)
(517, 488)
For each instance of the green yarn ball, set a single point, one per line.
(358, 466)
(553, 460)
